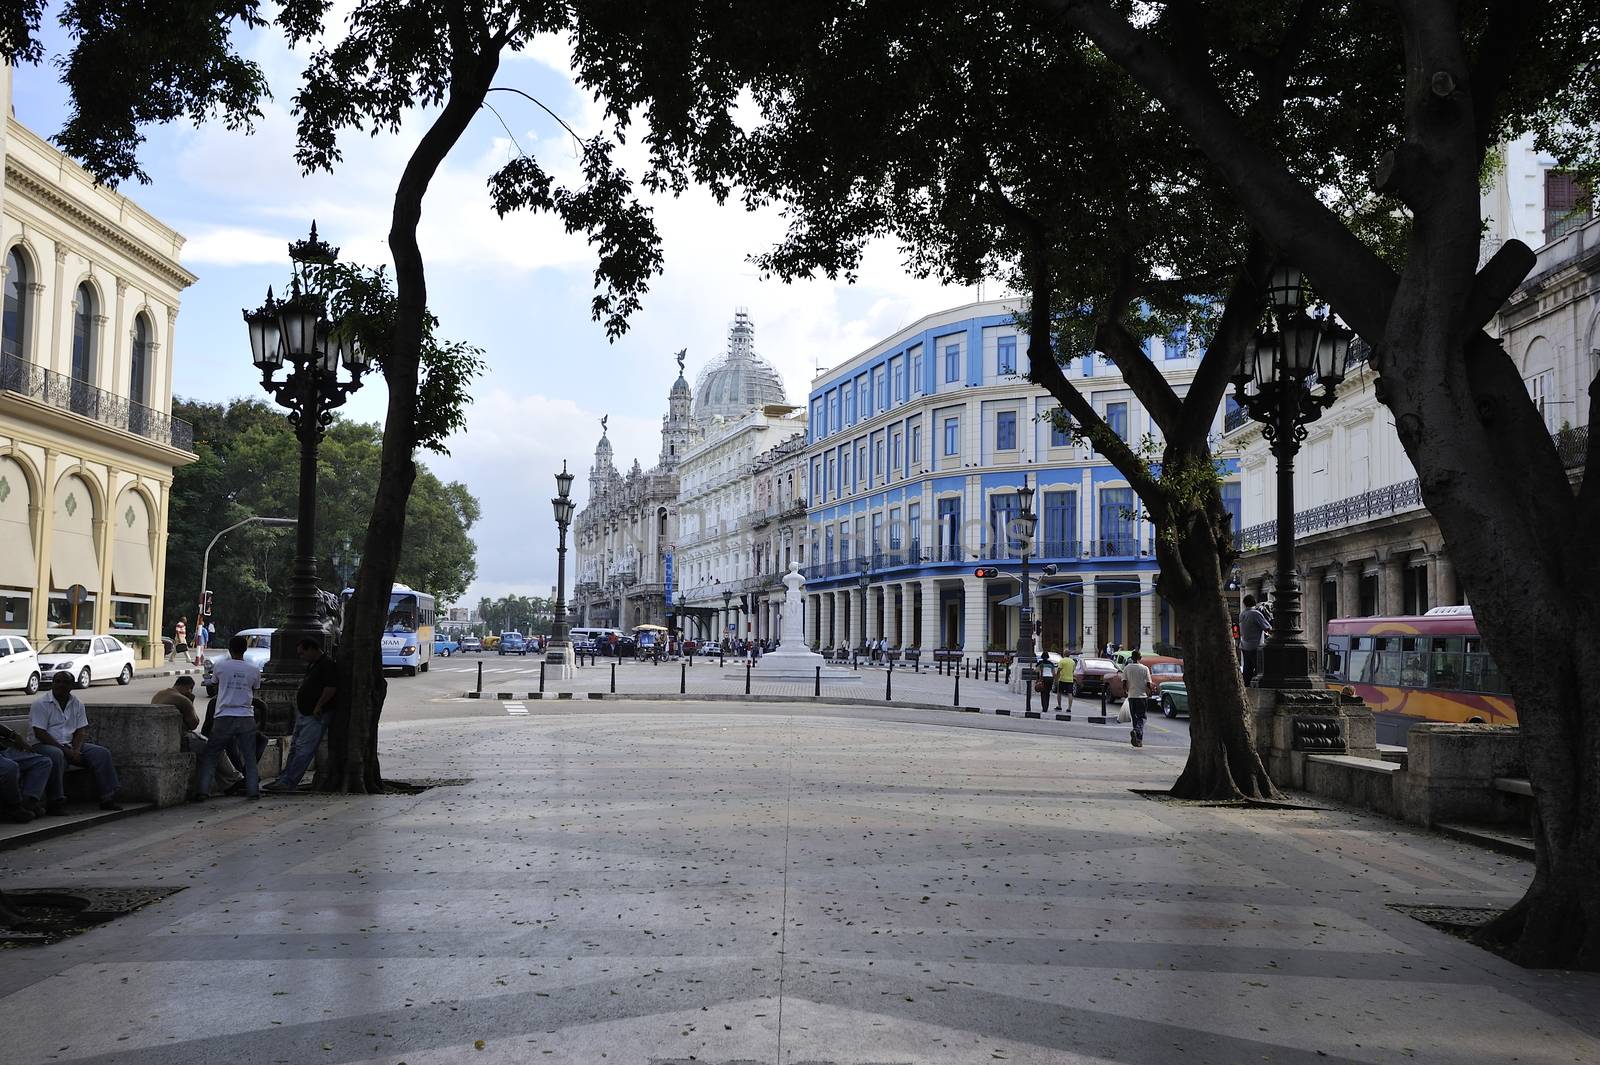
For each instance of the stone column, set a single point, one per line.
(38, 618)
(1445, 577)
(908, 614)
(810, 621)
(931, 638)
(891, 615)
(1349, 604)
(1086, 638)
(871, 594)
(1391, 589)
(1311, 612)
(1149, 614)
(975, 620)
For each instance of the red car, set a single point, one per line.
(1163, 670)
(1092, 674)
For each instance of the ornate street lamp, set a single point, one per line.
(559, 649)
(1277, 385)
(1026, 654)
(727, 609)
(296, 331)
(864, 582)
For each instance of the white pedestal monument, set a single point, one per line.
(793, 660)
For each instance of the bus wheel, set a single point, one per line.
(425, 665)
(411, 671)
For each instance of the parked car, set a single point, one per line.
(1091, 673)
(444, 646)
(1162, 670)
(19, 665)
(258, 646)
(87, 658)
(1175, 699)
(471, 644)
(511, 643)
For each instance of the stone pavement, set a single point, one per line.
(725, 884)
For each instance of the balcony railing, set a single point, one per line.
(79, 397)
(1572, 446)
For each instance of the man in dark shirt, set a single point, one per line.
(313, 706)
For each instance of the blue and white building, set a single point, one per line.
(916, 449)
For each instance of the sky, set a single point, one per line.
(519, 288)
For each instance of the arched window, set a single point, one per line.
(83, 334)
(14, 322)
(139, 369)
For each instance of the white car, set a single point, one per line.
(260, 646)
(87, 658)
(19, 665)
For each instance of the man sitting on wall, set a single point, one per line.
(60, 730)
(181, 695)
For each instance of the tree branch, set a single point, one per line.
(1510, 27)
(1240, 315)
(1147, 382)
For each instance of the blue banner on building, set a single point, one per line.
(666, 571)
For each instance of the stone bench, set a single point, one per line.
(1513, 786)
(1366, 782)
(146, 744)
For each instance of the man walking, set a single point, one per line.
(60, 732)
(1066, 674)
(1137, 677)
(234, 723)
(313, 706)
(1253, 631)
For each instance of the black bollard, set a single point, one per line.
(888, 683)
(818, 691)
(480, 676)
(613, 678)
(747, 678)
(683, 678)
(957, 700)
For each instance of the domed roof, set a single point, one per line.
(740, 381)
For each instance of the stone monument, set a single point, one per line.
(793, 660)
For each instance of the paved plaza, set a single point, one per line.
(723, 883)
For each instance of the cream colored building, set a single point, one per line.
(91, 284)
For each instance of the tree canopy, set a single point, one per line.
(246, 464)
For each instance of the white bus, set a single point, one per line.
(408, 630)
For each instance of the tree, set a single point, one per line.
(941, 127)
(246, 462)
(1522, 538)
(391, 59)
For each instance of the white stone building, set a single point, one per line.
(90, 284)
(725, 549)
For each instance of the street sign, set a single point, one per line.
(77, 595)
(666, 573)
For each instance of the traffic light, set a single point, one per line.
(205, 602)
(986, 573)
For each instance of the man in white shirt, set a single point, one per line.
(60, 730)
(234, 723)
(1137, 676)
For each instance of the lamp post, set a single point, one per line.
(1274, 384)
(727, 609)
(297, 331)
(863, 582)
(1026, 655)
(559, 649)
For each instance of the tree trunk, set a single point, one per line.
(354, 766)
(1223, 761)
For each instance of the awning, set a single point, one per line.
(18, 568)
(131, 571)
(73, 560)
(1047, 591)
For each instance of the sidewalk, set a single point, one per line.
(725, 884)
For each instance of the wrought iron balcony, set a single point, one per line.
(22, 377)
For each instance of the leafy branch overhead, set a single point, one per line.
(605, 207)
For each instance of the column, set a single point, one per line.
(1349, 604)
(102, 534)
(1448, 593)
(1311, 613)
(810, 618)
(975, 622)
(1391, 589)
(870, 595)
(930, 618)
(1149, 614)
(891, 615)
(907, 614)
(1089, 610)
(38, 619)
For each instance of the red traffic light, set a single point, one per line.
(986, 572)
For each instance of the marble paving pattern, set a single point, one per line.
(762, 885)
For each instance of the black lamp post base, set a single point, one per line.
(280, 680)
(1290, 665)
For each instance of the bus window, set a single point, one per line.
(1482, 675)
(1333, 663)
(1445, 671)
(1412, 673)
(1361, 665)
(1386, 667)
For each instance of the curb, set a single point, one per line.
(724, 697)
(54, 827)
